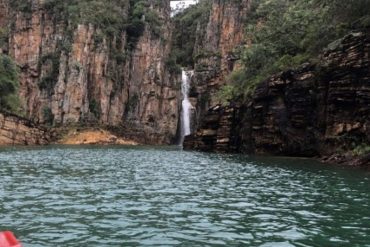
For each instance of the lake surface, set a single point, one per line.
(144, 196)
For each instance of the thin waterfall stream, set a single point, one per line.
(186, 105)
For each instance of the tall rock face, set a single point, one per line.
(215, 56)
(316, 109)
(77, 73)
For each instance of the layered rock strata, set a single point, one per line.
(19, 131)
(314, 110)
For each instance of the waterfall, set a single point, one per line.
(186, 105)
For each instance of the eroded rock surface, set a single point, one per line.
(215, 56)
(77, 74)
(314, 110)
(19, 131)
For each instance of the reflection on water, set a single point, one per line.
(147, 196)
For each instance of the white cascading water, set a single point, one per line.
(186, 105)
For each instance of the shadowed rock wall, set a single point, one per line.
(316, 109)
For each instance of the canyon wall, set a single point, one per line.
(317, 109)
(77, 74)
(215, 53)
(18, 131)
(74, 73)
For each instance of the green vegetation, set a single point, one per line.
(4, 33)
(105, 15)
(285, 33)
(48, 81)
(48, 116)
(95, 108)
(172, 66)
(108, 16)
(8, 84)
(185, 33)
(361, 149)
(132, 103)
(24, 6)
(141, 15)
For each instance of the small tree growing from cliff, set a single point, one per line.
(8, 84)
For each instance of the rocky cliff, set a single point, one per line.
(214, 52)
(18, 131)
(77, 73)
(317, 109)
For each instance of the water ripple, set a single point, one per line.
(165, 197)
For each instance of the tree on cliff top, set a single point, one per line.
(185, 32)
(282, 34)
(8, 84)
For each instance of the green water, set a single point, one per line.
(165, 197)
